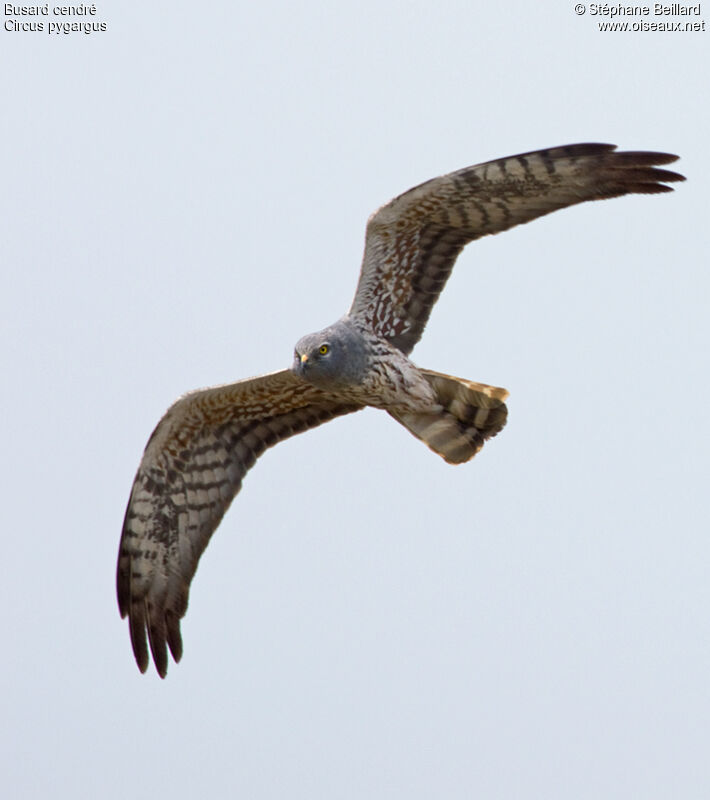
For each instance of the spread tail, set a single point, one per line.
(471, 413)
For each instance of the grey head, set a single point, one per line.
(334, 358)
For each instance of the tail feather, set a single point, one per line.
(470, 413)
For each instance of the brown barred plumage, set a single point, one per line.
(469, 414)
(414, 240)
(200, 451)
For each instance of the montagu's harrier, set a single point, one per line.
(194, 462)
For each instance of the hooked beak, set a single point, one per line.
(300, 363)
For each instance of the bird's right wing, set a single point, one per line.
(192, 468)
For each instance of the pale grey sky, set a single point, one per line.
(184, 196)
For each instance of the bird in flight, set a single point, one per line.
(200, 451)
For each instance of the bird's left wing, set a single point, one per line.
(413, 241)
(192, 468)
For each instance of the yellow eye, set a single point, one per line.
(323, 349)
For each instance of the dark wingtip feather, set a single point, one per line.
(156, 639)
(634, 167)
(136, 625)
(648, 188)
(648, 157)
(122, 592)
(636, 172)
(667, 176)
(174, 637)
